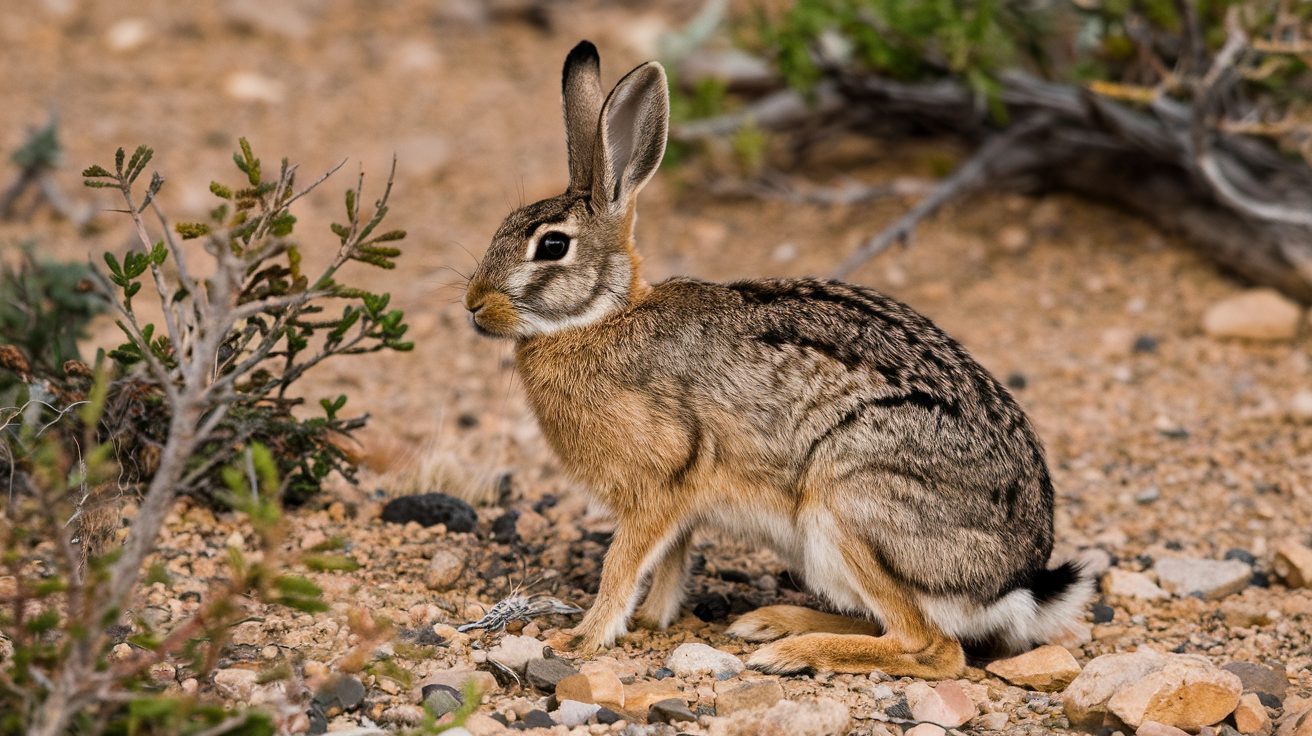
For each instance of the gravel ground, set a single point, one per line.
(1168, 440)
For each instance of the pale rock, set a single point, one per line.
(235, 684)
(573, 713)
(945, 703)
(1085, 699)
(1117, 342)
(1188, 692)
(1251, 716)
(1255, 314)
(820, 717)
(993, 721)
(731, 698)
(1214, 579)
(593, 684)
(247, 86)
(696, 658)
(1130, 584)
(514, 652)
(1153, 728)
(127, 35)
(1095, 560)
(458, 678)
(479, 724)
(1292, 563)
(1049, 668)
(925, 729)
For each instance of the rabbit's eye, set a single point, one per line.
(552, 246)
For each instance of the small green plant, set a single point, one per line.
(45, 307)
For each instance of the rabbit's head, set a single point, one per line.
(569, 260)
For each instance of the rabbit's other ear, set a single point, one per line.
(581, 98)
(631, 136)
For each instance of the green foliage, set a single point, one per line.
(41, 150)
(44, 310)
(289, 327)
(46, 618)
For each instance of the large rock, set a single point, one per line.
(945, 703)
(515, 652)
(572, 713)
(594, 684)
(1188, 692)
(1213, 579)
(543, 674)
(1251, 716)
(696, 658)
(1256, 314)
(1292, 563)
(821, 717)
(1129, 584)
(1048, 668)
(1085, 700)
(444, 570)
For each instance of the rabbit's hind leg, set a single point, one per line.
(775, 622)
(911, 645)
(668, 586)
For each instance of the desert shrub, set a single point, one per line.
(281, 323)
(44, 310)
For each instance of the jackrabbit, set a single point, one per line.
(831, 423)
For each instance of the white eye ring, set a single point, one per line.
(568, 229)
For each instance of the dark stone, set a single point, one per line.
(538, 719)
(1145, 344)
(1180, 648)
(1103, 613)
(424, 636)
(318, 721)
(349, 692)
(503, 529)
(1145, 560)
(1174, 433)
(467, 421)
(899, 710)
(670, 710)
(1260, 580)
(1258, 678)
(544, 674)
(430, 509)
(1174, 546)
(1243, 555)
(441, 699)
(662, 673)
(191, 596)
(1017, 381)
(500, 718)
(545, 503)
(505, 488)
(710, 607)
(1271, 701)
(607, 716)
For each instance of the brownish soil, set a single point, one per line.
(471, 107)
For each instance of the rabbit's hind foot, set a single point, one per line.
(775, 622)
(942, 658)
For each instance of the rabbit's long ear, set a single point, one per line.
(631, 136)
(581, 97)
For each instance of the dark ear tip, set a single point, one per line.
(584, 51)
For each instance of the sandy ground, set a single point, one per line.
(1182, 447)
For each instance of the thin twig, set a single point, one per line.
(968, 177)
